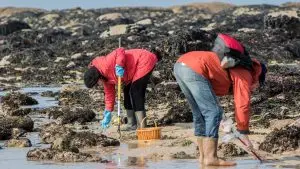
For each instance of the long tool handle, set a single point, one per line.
(254, 153)
(119, 100)
(119, 95)
(119, 106)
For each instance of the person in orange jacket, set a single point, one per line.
(202, 76)
(135, 67)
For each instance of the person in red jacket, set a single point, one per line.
(202, 76)
(135, 67)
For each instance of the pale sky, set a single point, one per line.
(62, 4)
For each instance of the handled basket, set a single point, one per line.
(152, 133)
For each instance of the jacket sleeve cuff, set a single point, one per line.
(109, 108)
(244, 131)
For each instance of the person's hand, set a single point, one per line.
(106, 119)
(119, 71)
(247, 141)
(226, 125)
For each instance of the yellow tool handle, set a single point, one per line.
(119, 88)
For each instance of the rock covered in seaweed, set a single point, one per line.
(285, 139)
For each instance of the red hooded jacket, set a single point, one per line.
(136, 63)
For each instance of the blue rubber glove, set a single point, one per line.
(119, 71)
(106, 120)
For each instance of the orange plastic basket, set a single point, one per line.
(152, 133)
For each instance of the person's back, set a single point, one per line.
(141, 60)
(138, 62)
(208, 65)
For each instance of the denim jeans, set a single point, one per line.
(207, 113)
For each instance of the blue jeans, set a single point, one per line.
(207, 113)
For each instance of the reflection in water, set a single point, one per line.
(216, 167)
(141, 144)
(136, 161)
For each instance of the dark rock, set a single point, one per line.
(294, 48)
(179, 113)
(285, 139)
(75, 157)
(39, 154)
(8, 27)
(73, 95)
(50, 132)
(8, 123)
(230, 150)
(49, 94)
(22, 142)
(13, 109)
(156, 77)
(287, 23)
(20, 112)
(63, 144)
(67, 139)
(68, 115)
(82, 139)
(182, 155)
(19, 99)
(17, 132)
(235, 18)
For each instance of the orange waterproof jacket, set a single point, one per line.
(242, 80)
(136, 63)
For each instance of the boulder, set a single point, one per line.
(83, 139)
(73, 95)
(41, 154)
(115, 30)
(11, 103)
(8, 123)
(110, 17)
(16, 112)
(50, 132)
(50, 17)
(76, 157)
(81, 30)
(19, 99)
(77, 56)
(156, 77)
(22, 142)
(8, 27)
(17, 132)
(49, 154)
(284, 20)
(182, 155)
(281, 140)
(49, 94)
(71, 65)
(294, 48)
(66, 114)
(63, 138)
(145, 22)
(5, 60)
(230, 150)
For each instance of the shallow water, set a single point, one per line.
(15, 158)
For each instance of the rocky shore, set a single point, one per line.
(40, 47)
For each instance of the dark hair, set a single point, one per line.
(262, 76)
(92, 76)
